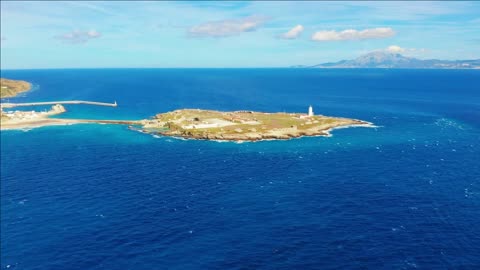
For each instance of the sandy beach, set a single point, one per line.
(9, 125)
(43, 122)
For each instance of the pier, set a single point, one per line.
(11, 105)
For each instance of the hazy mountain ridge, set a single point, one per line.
(396, 60)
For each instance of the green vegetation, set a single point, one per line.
(11, 88)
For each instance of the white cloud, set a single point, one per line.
(293, 33)
(227, 27)
(395, 49)
(79, 36)
(352, 34)
(406, 51)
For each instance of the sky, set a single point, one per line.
(128, 34)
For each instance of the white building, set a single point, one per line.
(310, 111)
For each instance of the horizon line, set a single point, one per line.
(297, 67)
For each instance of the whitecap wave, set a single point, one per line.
(445, 123)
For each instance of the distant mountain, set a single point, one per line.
(381, 59)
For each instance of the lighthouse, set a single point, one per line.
(310, 111)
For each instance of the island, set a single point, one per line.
(243, 125)
(197, 124)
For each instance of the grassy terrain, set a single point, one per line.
(239, 123)
(11, 88)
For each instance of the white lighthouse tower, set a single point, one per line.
(310, 111)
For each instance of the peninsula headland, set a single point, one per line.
(11, 88)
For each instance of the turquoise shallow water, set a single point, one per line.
(404, 195)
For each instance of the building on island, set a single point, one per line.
(308, 115)
(310, 111)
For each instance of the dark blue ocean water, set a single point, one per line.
(404, 195)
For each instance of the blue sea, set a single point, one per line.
(402, 195)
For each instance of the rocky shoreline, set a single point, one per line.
(246, 126)
(11, 88)
(256, 137)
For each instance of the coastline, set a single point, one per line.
(44, 122)
(11, 88)
(220, 126)
(327, 134)
(26, 120)
(267, 137)
(181, 127)
(38, 123)
(366, 125)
